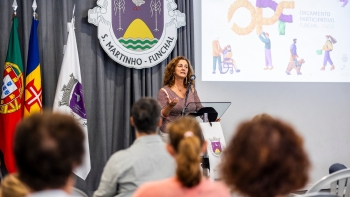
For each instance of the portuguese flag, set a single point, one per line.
(11, 103)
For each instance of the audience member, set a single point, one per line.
(336, 167)
(262, 116)
(13, 187)
(48, 147)
(145, 160)
(265, 158)
(186, 145)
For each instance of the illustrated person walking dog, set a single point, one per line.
(297, 65)
(293, 60)
(327, 48)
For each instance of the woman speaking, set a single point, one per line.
(172, 95)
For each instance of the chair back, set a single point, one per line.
(78, 193)
(339, 183)
(319, 194)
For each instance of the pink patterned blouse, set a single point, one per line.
(165, 93)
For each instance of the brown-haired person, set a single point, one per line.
(172, 95)
(262, 116)
(186, 145)
(265, 158)
(48, 147)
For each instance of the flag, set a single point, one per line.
(33, 89)
(69, 96)
(11, 97)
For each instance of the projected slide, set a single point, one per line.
(276, 41)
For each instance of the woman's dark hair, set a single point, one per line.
(185, 136)
(265, 158)
(169, 79)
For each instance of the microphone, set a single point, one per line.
(192, 77)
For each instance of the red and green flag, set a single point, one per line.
(11, 103)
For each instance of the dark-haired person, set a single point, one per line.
(265, 158)
(48, 147)
(186, 145)
(145, 160)
(172, 95)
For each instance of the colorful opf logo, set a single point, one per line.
(137, 33)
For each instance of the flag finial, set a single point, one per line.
(34, 6)
(73, 10)
(73, 18)
(14, 6)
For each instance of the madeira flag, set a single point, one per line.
(33, 97)
(11, 97)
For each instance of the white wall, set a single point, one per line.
(320, 112)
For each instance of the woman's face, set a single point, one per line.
(181, 69)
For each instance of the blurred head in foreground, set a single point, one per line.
(265, 158)
(48, 147)
(262, 116)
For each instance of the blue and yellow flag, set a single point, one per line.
(33, 89)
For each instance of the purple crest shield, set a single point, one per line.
(137, 24)
(216, 147)
(76, 102)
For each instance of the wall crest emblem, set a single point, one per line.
(137, 33)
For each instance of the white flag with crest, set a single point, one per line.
(69, 98)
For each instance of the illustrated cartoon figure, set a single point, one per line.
(265, 38)
(297, 65)
(328, 47)
(138, 3)
(228, 62)
(293, 51)
(344, 2)
(216, 54)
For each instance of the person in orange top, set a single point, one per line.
(186, 145)
(216, 54)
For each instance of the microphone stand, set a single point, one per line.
(186, 96)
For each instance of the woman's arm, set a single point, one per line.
(166, 102)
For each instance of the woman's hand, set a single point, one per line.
(218, 120)
(173, 102)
